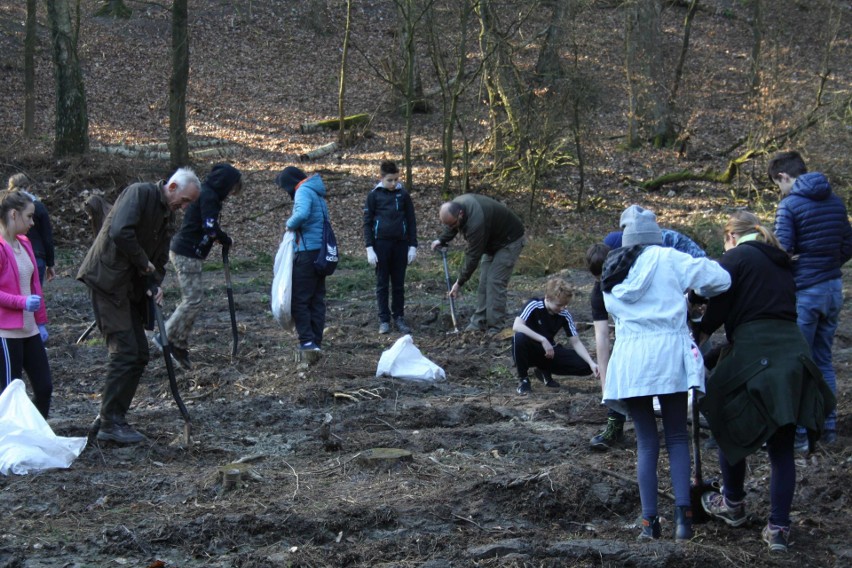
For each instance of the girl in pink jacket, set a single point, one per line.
(23, 317)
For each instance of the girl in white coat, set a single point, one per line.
(654, 354)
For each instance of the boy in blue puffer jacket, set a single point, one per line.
(390, 235)
(813, 226)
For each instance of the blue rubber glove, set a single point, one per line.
(33, 303)
(42, 331)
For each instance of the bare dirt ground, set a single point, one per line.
(494, 479)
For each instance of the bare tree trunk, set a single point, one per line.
(178, 143)
(341, 93)
(549, 59)
(649, 99)
(684, 49)
(756, 46)
(503, 85)
(72, 118)
(29, 69)
(450, 73)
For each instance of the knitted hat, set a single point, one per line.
(613, 240)
(289, 178)
(640, 227)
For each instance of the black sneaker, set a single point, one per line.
(384, 327)
(524, 387)
(309, 346)
(401, 326)
(181, 355)
(612, 435)
(545, 377)
(119, 433)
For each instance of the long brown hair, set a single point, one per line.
(745, 223)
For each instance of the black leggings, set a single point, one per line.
(28, 354)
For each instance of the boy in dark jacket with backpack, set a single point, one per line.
(390, 235)
(190, 246)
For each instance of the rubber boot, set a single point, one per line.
(683, 523)
(650, 528)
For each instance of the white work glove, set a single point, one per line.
(371, 257)
(412, 254)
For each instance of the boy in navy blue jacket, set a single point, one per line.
(390, 235)
(533, 344)
(812, 224)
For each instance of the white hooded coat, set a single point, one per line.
(654, 352)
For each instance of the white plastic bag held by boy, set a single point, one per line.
(404, 361)
(282, 282)
(27, 444)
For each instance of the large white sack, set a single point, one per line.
(404, 361)
(282, 281)
(27, 444)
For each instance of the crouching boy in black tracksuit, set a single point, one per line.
(533, 344)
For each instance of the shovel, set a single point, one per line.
(231, 307)
(699, 486)
(449, 287)
(170, 368)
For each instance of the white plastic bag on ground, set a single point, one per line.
(404, 361)
(27, 444)
(282, 281)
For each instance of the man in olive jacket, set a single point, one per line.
(128, 255)
(495, 237)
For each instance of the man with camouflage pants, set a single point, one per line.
(190, 246)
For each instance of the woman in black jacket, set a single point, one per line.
(765, 382)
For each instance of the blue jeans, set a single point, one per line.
(818, 308)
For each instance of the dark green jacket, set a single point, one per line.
(765, 380)
(487, 226)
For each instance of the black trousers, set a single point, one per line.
(528, 353)
(393, 262)
(27, 354)
(307, 305)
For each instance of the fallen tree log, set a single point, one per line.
(709, 174)
(319, 152)
(160, 151)
(334, 123)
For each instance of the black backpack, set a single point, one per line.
(327, 259)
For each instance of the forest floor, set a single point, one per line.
(494, 479)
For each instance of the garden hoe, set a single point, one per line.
(231, 307)
(449, 287)
(170, 368)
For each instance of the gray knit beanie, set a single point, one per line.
(640, 227)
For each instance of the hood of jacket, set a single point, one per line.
(639, 277)
(313, 183)
(221, 179)
(617, 265)
(813, 185)
(776, 255)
